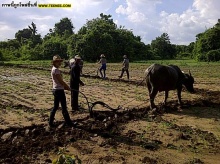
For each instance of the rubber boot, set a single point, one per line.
(51, 119)
(67, 118)
(104, 73)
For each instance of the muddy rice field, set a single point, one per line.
(131, 135)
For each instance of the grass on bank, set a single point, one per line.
(199, 69)
(180, 62)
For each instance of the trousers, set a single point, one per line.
(59, 97)
(75, 99)
(122, 72)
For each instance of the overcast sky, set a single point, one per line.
(181, 19)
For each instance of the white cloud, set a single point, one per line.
(146, 18)
(20, 18)
(137, 17)
(7, 30)
(182, 28)
(121, 10)
(141, 16)
(137, 10)
(36, 17)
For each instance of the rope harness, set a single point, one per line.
(91, 105)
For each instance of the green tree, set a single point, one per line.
(10, 49)
(162, 47)
(1, 56)
(217, 25)
(101, 35)
(205, 42)
(23, 35)
(96, 37)
(29, 36)
(33, 28)
(52, 47)
(36, 39)
(73, 42)
(213, 55)
(64, 27)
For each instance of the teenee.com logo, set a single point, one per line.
(35, 4)
(54, 5)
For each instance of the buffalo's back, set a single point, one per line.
(162, 77)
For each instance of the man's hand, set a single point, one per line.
(66, 87)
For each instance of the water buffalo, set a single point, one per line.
(166, 78)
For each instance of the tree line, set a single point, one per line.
(102, 36)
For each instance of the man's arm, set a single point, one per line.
(100, 61)
(123, 63)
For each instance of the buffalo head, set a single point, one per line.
(188, 82)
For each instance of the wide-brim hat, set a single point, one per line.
(56, 58)
(102, 56)
(77, 57)
(71, 61)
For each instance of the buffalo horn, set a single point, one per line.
(189, 73)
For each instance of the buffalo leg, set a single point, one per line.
(149, 87)
(153, 94)
(166, 96)
(179, 95)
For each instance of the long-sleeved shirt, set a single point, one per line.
(125, 63)
(75, 76)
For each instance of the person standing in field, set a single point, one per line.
(74, 83)
(102, 61)
(125, 67)
(58, 91)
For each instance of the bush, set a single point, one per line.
(184, 55)
(213, 55)
(1, 56)
(8, 55)
(201, 57)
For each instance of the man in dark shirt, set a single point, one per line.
(74, 83)
(125, 67)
